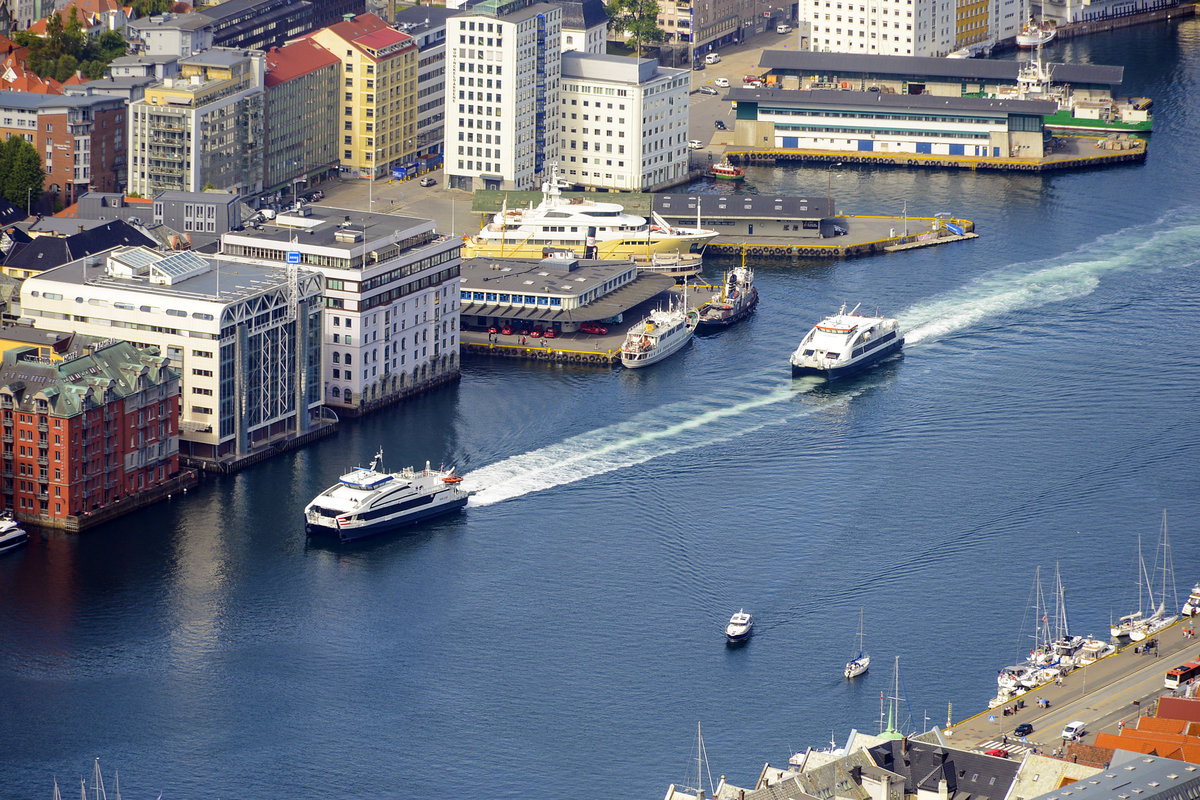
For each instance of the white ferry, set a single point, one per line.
(585, 227)
(367, 500)
(658, 336)
(846, 343)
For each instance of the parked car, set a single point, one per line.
(783, 28)
(1024, 729)
(712, 58)
(506, 330)
(695, 144)
(722, 82)
(492, 329)
(593, 327)
(536, 331)
(698, 66)
(707, 90)
(550, 333)
(1074, 731)
(838, 230)
(427, 181)
(719, 125)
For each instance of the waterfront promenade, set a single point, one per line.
(1113, 690)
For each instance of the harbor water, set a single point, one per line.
(564, 633)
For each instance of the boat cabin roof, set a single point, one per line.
(364, 478)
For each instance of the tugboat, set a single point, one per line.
(739, 628)
(734, 302)
(724, 171)
(367, 500)
(843, 344)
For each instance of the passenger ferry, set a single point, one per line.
(724, 171)
(367, 500)
(587, 228)
(658, 336)
(846, 343)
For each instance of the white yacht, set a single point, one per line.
(1035, 34)
(658, 336)
(843, 344)
(1093, 650)
(739, 627)
(862, 662)
(367, 500)
(12, 535)
(587, 228)
(1192, 606)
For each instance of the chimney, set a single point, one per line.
(943, 790)
(904, 745)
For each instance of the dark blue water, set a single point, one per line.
(564, 634)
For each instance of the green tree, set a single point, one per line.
(636, 18)
(21, 172)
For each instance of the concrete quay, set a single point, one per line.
(1103, 694)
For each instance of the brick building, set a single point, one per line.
(85, 428)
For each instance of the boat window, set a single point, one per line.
(834, 356)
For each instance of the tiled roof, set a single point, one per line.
(45, 252)
(377, 40)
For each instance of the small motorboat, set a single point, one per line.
(739, 627)
(12, 535)
(724, 171)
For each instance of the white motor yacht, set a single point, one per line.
(657, 336)
(12, 535)
(739, 627)
(367, 500)
(843, 344)
(1192, 606)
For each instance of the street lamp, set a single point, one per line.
(829, 184)
(28, 206)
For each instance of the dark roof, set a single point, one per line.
(583, 13)
(748, 206)
(925, 765)
(9, 212)
(808, 62)
(45, 252)
(851, 99)
(417, 15)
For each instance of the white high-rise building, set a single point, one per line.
(502, 89)
(907, 27)
(624, 122)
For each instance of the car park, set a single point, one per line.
(593, 327)
(1024, 729)
(695, 144)
(707, 90)
(427, 181)
(719, 125)
(722, 82)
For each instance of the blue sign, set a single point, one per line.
(399, 173)
(293, 257)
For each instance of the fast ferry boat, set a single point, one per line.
(724, 171)
(846, 343)
(585, 227)
(12, 535)
(367, 500)
(734, 302)
(659, 335)
(740, 627)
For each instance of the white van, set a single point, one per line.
(783, 27)
(712, 58)
(1074, 731)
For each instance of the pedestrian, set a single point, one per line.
(1004, 739)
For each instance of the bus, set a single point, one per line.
(1182, 674)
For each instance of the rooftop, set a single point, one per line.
(301, 57)
(182, 22)
(612, 69)
(751, 206)
(864, 100)
(331, 228)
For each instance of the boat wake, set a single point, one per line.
(689, 425)
(1172, 241)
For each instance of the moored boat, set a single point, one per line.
(587, 228)
(12, 535)
(725, 171)
(1036, 34)
(740, 626)
(843, 344)
(659, 335)
(1093, 650)
(735, 301)
(674, 265)
(368, 500)
(1192, 606)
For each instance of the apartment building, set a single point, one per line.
(391, 297)
(427, 25)
(584, 26)
(504, 82)
(378, 106)
(202, 129)
(81, 138)
(85, 428)
(623, 122)
(907, 27)
(245, 338)
(302, 97)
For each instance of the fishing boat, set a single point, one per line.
(12, 535)
(734, 302)
(587, 228)
(368, 500)
(740, 627)
(1192, 606)
(660, 334)
(861, 662)
(725, 171)
(843, 344)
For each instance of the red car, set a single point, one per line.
(592, 327)
(550, 333)
(492, 329)
(998, 752)
(506, 330)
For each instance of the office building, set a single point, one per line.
(907, 28)
(301, 116)
(427, 25)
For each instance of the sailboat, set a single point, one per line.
(1042, 663)
(1136, 625)
(694, 783)
(861, 662)
(1065, 646)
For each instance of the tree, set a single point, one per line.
(21, 172)
(637, 18)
